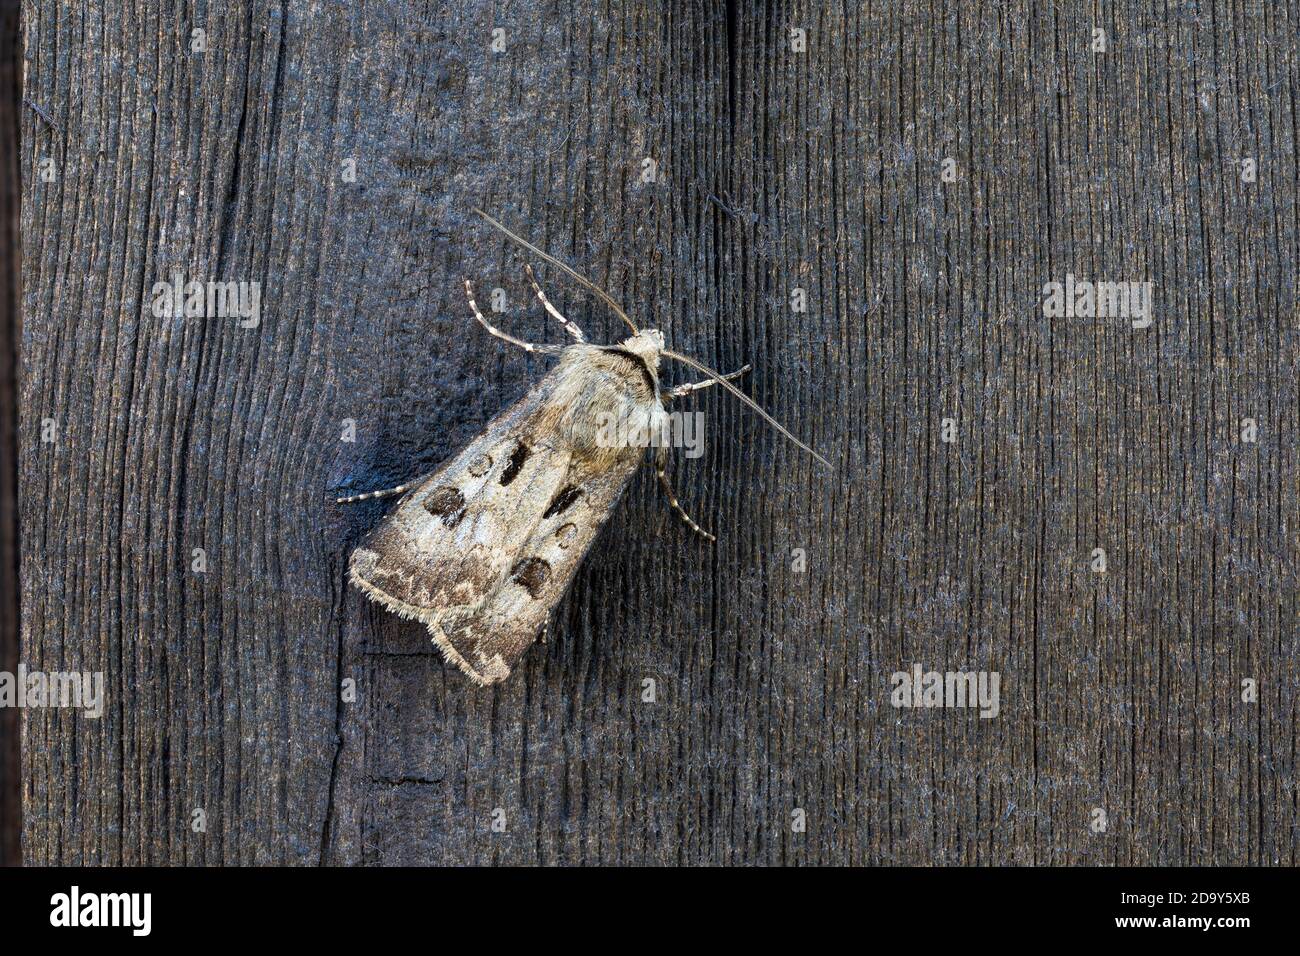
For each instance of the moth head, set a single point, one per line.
(647, 345)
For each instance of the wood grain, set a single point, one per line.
(10, 291)
(775, 171)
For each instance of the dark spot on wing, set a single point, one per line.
(516, 462)
(567, 496)
(446, 503)
(531, 574)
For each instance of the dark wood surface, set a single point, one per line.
(10, 278)
(776, 170)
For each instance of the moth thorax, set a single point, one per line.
(622, 424)
(646, 345)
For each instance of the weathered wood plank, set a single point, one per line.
(776, 170)
(10, 290)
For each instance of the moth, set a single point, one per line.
(483, 548)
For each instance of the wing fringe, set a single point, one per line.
(430, 619)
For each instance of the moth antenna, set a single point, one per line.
(677, 356)
(600, 293)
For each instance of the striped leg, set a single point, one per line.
(570, 327)
(526, 346)
(661, 463)
(681, 390)
(387, 492)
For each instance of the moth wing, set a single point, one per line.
(487, 640)
(452, 538)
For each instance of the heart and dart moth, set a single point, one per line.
(483, 548)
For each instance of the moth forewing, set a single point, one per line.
(484, 548)
(411, 562)
(492, 636)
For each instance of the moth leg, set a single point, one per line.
(681, 390)
(570, 327)
(376, 494)
(526, 346)
(661, 464)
